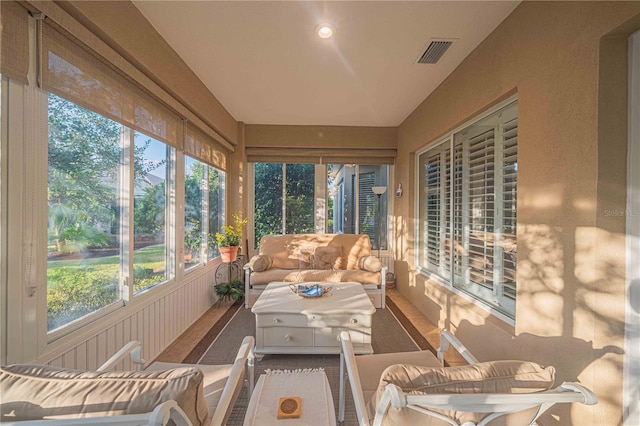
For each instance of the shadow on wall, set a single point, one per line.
(570, 357)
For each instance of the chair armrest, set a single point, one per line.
(132, 349)
(497, 404)
(383, 285)
(447, 339)
(243, 361)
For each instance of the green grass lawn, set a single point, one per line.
(78, 287)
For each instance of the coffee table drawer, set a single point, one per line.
(281, 320)
(340, 320)
(287, 337)
(330, 336)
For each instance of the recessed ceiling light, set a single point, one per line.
(325, 30)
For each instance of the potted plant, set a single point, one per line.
(233, 290)
(229, 239)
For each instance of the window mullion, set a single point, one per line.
(170, 240)
(356, 204)
(204, 246)
(125, 200)
(284, 198)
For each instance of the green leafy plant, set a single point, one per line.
(233, 290)
(231, 234)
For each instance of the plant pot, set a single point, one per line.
(228, 254)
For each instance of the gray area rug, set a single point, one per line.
(387, 336)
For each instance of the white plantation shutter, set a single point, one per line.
(432, 188)
(508, 204)
(480, 209)
(470, 189)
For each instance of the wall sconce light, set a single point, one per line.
(399, 190)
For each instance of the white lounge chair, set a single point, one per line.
(221, 385)
(415, 388)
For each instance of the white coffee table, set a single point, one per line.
(289, 324)
(312, 387)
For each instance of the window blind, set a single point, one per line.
(74, 73)
(480, 208)
(432, 169)
(320, 155)
(14, 41)
(200, 146)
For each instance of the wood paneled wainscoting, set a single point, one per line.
(156, 323)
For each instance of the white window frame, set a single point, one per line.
(448, 282)
(631, 361)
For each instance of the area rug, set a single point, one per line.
(388, 335)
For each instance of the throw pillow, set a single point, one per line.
(484, 377)
(327, 257)
(260, 263)
(305, 254)
(31, 392)
(370, 263)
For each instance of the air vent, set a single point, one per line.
(434, 51)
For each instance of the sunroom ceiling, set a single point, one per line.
(264, 63)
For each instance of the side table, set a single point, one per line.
(311, 385)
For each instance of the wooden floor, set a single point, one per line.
(185, 343)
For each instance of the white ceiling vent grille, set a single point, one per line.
(434, 51)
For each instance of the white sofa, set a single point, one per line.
(315, 258)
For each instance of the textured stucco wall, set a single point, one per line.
(567, 63)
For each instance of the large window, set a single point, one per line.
(193, 224)
(83, 264)
(150, 212)
(352, 205)
(290, 198)
(284, 199)
(87, 198)
(216, 193)
(204, 195)
(467, 209)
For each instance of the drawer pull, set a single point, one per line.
(276, 320)
(354, 321)
(287, 338)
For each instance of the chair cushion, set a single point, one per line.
(327, 257)
(485, 377)
(371, 367)
(214, 380)
(31, 392)
(260, 263)
(370, 263)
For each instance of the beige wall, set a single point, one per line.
(320, 136)
(571, 86)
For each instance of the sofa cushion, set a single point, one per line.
(297, 276)
(260, 263)
(370, 263)
(286, 253)
(327, 257)
(485, 377)
(31, 392)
